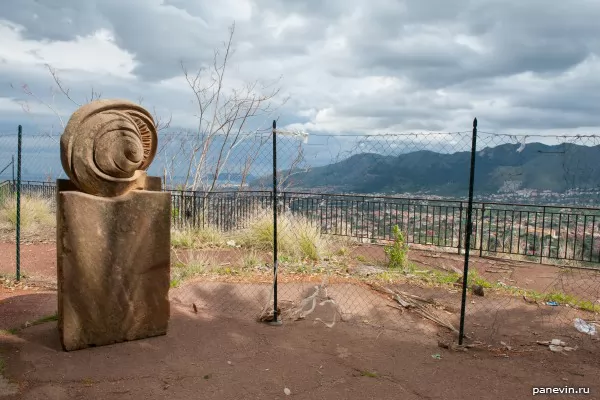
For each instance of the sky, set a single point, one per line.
(342, 67)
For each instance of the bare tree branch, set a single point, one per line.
(284, 181)
(161, 123)
(60, 86)
(223, 115)
(25, 88)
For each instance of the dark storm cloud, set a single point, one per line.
(514, 37)
(514, 64)
(54, 19)
(160, 36)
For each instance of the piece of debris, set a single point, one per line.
(554, 342)
(287, 391)
(436, 356)
(561, 348)
(422, 306)
(477, 290)
(557, 346)
(318, 302)
(266, 314)
(584, 327)
(269, 317)
(231, 243)
(229, 362)
(506, 347)
(552, 303)
(454, 346)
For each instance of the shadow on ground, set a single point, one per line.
(218, 355)
(21, 307)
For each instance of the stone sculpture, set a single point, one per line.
(113, 229)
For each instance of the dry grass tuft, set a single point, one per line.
(38, 220)
(296, 236)
(197, 238)
(193, 267)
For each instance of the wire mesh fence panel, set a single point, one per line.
(221, 221)
(8, 155)
(368, 227)
(536, 228)
(35, 219)
(355, 224)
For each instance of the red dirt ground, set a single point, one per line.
(217, 357)
(359, 359)
(491, 318)
(38, 263)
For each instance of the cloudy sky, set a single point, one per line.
(346, 66)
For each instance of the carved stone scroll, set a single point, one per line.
(113, 229)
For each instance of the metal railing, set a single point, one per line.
(220, 210)
(554, 232)
(537, 232)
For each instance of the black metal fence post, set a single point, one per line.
(543, 234)
(469, 232)
(284, 203)
(276, 320)
(18, 219)
(460, 225)
(481, 230)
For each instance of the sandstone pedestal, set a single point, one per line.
(113, 228)
(113, 266)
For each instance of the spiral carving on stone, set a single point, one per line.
(107, 146)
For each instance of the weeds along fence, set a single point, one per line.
(538, 233)
(550, 234)
(329, 229)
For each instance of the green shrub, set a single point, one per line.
(476, 279)
(397, 252)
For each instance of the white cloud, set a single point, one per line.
(348, 66)
(96, 53)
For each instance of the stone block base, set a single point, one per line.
(113, 266)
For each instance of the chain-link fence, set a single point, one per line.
(346, 225)
(538, 263)
(364, 228)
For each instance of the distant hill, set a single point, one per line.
(503, 168)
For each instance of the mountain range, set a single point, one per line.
(499, 169)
